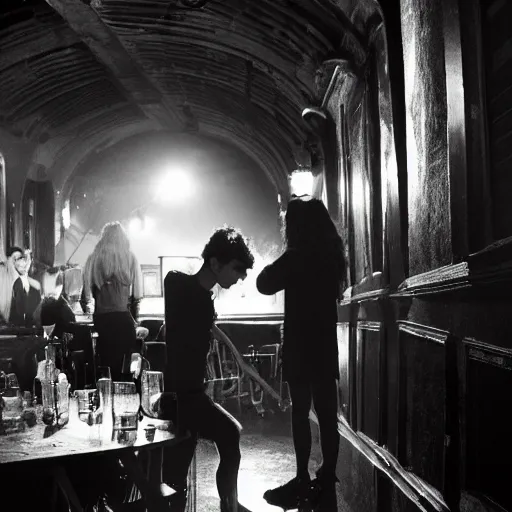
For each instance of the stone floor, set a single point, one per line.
(268, 460)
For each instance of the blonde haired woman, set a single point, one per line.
(113, 278)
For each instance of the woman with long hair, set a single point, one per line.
(113, 278)
(310, 271)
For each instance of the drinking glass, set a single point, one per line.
(87, 405)
(126, 403)
(152, 385)
(105, 412)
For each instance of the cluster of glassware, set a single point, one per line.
(11, 405)
(54, 390)
(116, 406)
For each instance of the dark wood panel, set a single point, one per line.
(422, 401)
(368, 368)
(477, 162)
(487, 405)
(497, 59)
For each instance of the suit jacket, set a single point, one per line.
(24, 304)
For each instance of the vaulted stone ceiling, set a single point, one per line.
(79, 73)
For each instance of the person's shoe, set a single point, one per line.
(289, 495)
(326, 477)
(320, 497)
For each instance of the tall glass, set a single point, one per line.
(152, 386)
(104, 386)
(126, 403)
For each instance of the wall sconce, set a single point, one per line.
(301, 182)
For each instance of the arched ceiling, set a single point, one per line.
(239, 70)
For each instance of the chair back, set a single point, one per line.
(156, 354)
(153, 326)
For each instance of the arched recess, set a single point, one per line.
(271, 162)
(38, 220)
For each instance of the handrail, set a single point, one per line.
(246, 368)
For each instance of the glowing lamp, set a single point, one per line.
(301, 183)
(175, 186)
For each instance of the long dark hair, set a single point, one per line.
(309, 227)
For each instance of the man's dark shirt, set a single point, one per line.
(23, 304)
(189, 316)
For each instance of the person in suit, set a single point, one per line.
(26, 292)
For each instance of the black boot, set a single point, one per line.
(321, 496)
(289, 495)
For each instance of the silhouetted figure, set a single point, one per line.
(189, 317)
(310, 272)
(57, 312)
(113, 278)
(26, 292)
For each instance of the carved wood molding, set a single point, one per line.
(448, 278)
(492, 264)
(490, 354)
(423, 331)
(489, 267)
(381, 293)
(342, 81)
(369, 326)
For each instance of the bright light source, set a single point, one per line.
(301, 183)
(66, 216)
(135, 226)
(175, 186)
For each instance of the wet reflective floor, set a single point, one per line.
(268, 461)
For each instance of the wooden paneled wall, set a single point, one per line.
(424, 329)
